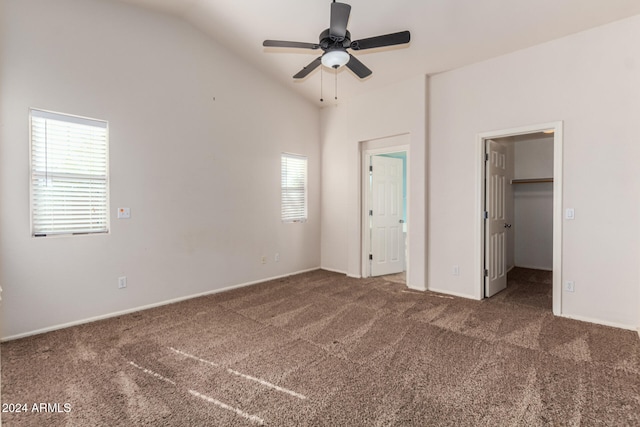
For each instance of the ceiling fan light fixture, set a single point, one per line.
(336, 40)
(335, 58)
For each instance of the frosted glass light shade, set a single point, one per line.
(335, 58)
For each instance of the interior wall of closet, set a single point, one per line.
(532, 187)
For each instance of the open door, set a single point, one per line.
(387, 237)
(495, 219)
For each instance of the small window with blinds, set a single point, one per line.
(294, 188)
(69, 174)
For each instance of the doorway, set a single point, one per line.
(385, 207)
(520, 203)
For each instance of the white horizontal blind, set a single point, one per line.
(294, 188)
(69, 179)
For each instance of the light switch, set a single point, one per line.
(124, 213)
(570, 213)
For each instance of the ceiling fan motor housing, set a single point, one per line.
(328, 41)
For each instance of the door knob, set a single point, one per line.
(507, 226)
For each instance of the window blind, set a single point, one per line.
(69, 174)
(294, 188)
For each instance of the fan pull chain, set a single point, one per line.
(321, 99)
(336, 96)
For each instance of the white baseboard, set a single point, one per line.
(333, 270)
(148, 306)
(455, 294)
(600, 322)
(416, 288)
(255, 282)
(533, 267)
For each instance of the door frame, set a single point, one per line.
(367, 151)
(557, 127)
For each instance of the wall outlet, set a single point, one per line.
(277, 257)
(569, 286)
(455, 270)
(264, 259)
(122, 282)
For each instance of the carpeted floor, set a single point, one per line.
(321, 349)
(396, 278)
(528, 287)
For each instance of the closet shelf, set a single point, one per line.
(531, 181)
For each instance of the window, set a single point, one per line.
(294, 188)
(69, 179)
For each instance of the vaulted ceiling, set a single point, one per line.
(445, 34)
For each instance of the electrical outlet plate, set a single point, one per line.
(122, 282)
(569, 286)
(264, 259)
(570, 213)
(124, 213)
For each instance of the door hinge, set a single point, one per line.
(370, 168)
(486, 157)
(370, 257)
(486, 273)
(485, 214)
(370, 212)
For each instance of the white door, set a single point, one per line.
(496, 223)
(387, 237)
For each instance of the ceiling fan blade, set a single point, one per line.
(282, 43)
(309, 68)
(339, 19)
(358, 67)
(381, 41)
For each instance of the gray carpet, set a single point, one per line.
(321, 349)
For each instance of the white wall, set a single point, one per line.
(590, 81)
(202, 177)
(394, 110)
(533, 158)
(533, 204)
(510, 205)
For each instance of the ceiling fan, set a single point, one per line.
(335, 41)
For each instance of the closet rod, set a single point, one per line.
(531, 181)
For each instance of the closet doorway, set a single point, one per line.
(521, 212)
